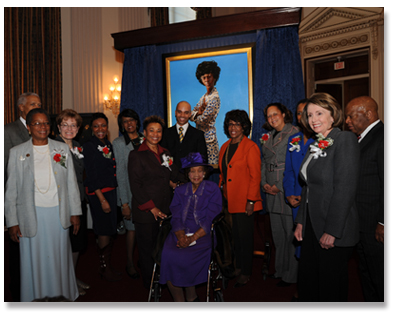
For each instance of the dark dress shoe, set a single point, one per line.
(282, 283)
(294, 299)
(134, 275)
(244, 280)
(239, 285)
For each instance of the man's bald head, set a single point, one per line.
(183, 112)
(360, 113)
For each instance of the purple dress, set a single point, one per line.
(188, 267)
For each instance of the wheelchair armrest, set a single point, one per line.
(218, 218)
(167, 218)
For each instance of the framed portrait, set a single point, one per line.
(234, 85)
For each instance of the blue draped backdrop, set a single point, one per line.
(277, 72)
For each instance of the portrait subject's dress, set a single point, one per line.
(206, 122)
(188, 267)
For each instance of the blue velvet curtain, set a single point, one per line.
(277, 72)
(139, 83)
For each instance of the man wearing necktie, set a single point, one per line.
(362, 119)
(16, 133)
(182, 139)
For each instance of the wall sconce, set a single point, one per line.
(112, 101)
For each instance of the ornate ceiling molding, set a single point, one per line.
(337, 44)
(328, 15)
(337, 28)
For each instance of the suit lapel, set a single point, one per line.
(269, 143)
(369, 136)
(28, 154)
(239, 151)
(24, 133)
(313, 161)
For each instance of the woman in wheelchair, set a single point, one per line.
(187, 249)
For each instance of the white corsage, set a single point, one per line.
(168, 161)
(21, 158)
(320, 145)
(105, 151)
(77, 151)
(295, 143)
(60, 157)
(141, 139)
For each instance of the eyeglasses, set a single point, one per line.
(234, 125)
(130, 120)
(38, 124)
(71, 126)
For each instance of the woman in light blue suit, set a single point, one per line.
(41, 202)
(129, 124)
(327, 221)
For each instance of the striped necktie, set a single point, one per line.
(181, 136)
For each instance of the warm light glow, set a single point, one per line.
(112, 101)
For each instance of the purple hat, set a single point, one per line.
(193, 160)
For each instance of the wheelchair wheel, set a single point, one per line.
(218, 296)
(156, 292)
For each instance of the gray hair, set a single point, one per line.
(22, 98)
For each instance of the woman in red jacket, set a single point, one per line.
(240, 167)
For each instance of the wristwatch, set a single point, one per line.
(251, 202)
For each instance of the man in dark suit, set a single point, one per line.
(182, 139)
(16, 133)
(362, 119)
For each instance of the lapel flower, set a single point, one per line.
(21, 158)
(141, 139)
(295, 143)
(168, 161)
(77, 151)
(105, 151)
(320, 145)
(59, 157)
(264, 138)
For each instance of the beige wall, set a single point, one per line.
(89, 60)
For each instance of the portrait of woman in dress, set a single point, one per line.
(205, 112)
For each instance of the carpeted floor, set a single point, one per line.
(131, 290)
